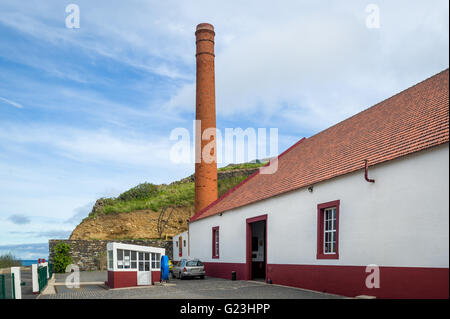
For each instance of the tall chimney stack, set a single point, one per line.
(205, 168)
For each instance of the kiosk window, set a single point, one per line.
(110, 259)
(156, 261)
(120, 258)
(126, 259)
(133, 260)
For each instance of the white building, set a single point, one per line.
(323, 216)
(180, 244)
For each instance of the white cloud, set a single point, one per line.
(318, 62)
(314, 66)
(80, 213)
(92, 145)
(15, 104)
(105, 30)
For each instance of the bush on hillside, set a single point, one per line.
(61, 257)
(142, 191)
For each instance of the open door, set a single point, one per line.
(257, 248)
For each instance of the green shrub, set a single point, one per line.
(142, 191)
(101, 261)
(61, 257)
(9, 260)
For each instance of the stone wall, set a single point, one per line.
(91, 254)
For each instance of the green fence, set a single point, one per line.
(50, 270)
(7, 287)
(42, 278)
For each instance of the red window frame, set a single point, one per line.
(320, 229)
(180, 247)
(215, 254)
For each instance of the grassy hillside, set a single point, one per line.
(154, 197)
(135, 213)
(241, 166)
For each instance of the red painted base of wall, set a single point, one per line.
(223, 270)
(156, 276)
(395, 282)
(121, 279)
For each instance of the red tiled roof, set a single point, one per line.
(410, 121)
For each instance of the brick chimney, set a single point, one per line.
(205, 169)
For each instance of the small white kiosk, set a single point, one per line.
(133, 265)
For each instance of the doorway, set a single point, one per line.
(144, 272)
(257, 248)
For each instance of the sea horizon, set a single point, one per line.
(29, 262)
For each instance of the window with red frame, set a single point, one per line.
(328, 230)
(215, 242)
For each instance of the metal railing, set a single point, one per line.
(42, 277)
(50, 270)
(7, 287)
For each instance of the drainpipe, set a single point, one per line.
(366, 172)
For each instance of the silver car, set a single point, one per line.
(188, 268)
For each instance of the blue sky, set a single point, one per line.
(87, 112)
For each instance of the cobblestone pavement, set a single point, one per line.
(208, 288)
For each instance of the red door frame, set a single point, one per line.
(248, 261)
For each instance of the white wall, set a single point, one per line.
(400, 220)
(185, 249)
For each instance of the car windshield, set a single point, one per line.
(194, 263)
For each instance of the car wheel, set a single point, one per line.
(202, 277)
